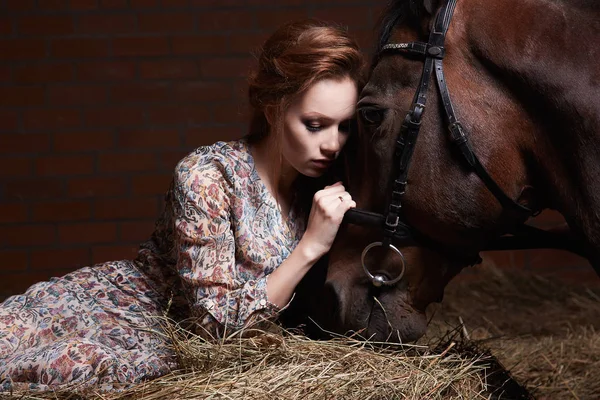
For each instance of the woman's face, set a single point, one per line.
(316, 125)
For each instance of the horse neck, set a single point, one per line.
(545, 53)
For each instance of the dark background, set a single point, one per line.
(100, 98)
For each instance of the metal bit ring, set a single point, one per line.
(380, 280)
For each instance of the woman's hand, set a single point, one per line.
(326, 214)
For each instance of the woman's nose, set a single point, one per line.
(332, 142)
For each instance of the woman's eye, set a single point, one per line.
(312, 127)
(372, 116)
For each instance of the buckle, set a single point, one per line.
(457, 135)
(391, 221)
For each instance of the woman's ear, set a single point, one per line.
(270, 114)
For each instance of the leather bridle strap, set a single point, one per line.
(433, 52)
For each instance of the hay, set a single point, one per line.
(546, 334)
(285, 365)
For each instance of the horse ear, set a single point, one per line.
(430, 6)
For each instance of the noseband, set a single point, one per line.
(394, 228)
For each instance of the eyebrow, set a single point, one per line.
(316, 114)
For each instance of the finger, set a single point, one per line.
(329, 191)
(338, 198)
(335, 184)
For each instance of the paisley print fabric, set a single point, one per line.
(207, 263)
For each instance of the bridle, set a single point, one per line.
(394, 228)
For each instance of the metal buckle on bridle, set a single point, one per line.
(379, 280)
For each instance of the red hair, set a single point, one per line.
(296, 56)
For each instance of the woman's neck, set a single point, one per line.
(277, 175)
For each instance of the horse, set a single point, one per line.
(510, 127)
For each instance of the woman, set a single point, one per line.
(235, 238)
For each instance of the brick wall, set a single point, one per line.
(100, 98)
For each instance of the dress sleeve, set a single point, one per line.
(221, 301)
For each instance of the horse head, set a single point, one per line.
(461, 139)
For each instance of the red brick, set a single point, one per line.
(83, 5)
(101, 254)
(189, 45)
(107, 24)
(5, 73)
(83, 141)
(98, 232)
(140, 46)
(33, 189)
(354, 17)
(201, 91)
(21, 96)
(543, 259)
(11, 213)
(113, 4)
(145, 92)
(179, 115)
(143, 3)
(124, 162)
(43, 73)
(79, 48)
(19, 5)
(196, 137)
(166, 22)
(60, 258)
(11, 260)
(61, 211)
(271, 20)
(249, 43)
(97, 187)
(51, 119)
(77, 95)
(106, 71)
(27, 143)
(220, 3)
(114, 116)
(136, 231)
(169, 159)
(45, 25)
(150, 184)
(27, 235)
(14, 167)
(225, 20)
(168, 69)
(174, 3)
(231, 114)
(10, 120)
(366, 38)
(225, 67)
(106, 209)
(6, 26)
(64, 165)
(22, 49)
(149, 139)
(54, 5)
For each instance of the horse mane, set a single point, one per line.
(399, 11)
(396, 12)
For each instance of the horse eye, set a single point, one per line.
(372, 116)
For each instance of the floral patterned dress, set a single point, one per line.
(208, 261)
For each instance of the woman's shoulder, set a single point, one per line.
(218, 161)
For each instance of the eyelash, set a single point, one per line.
(313, 128)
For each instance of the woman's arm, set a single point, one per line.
(326, 214)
